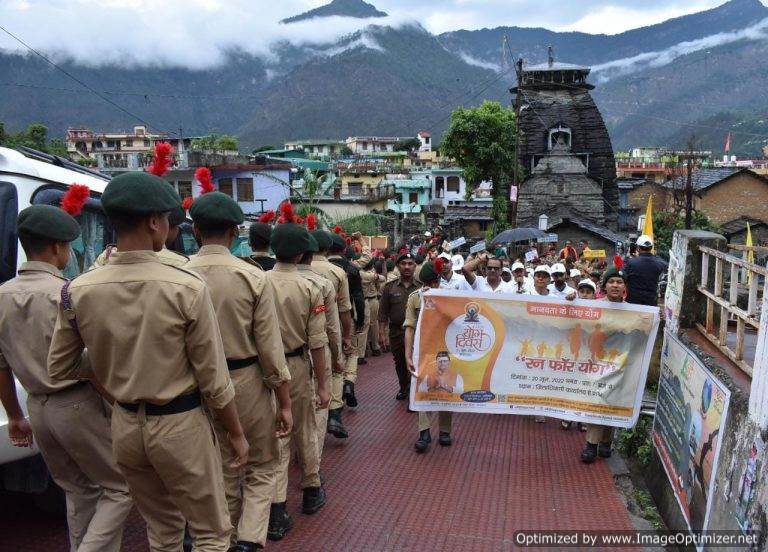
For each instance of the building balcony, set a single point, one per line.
(405, 208)
(362, 195)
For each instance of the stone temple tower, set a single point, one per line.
(565, 149)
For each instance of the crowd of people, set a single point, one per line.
(181, 384)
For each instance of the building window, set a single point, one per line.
(225, 186)
(483, 225)
(439, 183)
(365, 146)
(129, 143)
(146, 143)
(453, 184)
(185, 188)
(245, 189)
(413, 197)
(355, 189)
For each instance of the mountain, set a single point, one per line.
(346, 8)
(653, 84)
(749, 133)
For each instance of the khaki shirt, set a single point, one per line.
(338, 278)
(412, 308)
(245, 308)
(150, 330)
(371, 280)
(332, 323)
(392, 275)
(165, 255)
(300, 308)
(29, 305)
(392, 305)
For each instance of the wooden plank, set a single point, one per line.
(723, 335)
(752, 304)
(718, 277)
(755, 248)
(746, 368)
(705, 270)
(710, 320)
(735, 260)
(740, 339)
(734, 294)
(736, 311)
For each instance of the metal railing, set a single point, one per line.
(732, 275)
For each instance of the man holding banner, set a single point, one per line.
(440, 380)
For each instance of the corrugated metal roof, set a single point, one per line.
(706, 178)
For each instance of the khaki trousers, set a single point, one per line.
(304, 435)
(597, 434)
(321, 416)
(362, 335)
(444, 420)
(337, 388)
(249, 491)
(71, 428)
(373, 330)
(173, 467)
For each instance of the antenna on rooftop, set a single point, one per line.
(551, 56)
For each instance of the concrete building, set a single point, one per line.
(425, 139)
(370, 145)
(317, 148)
(411, 194)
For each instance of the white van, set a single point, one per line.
(29, 177)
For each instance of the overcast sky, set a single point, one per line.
(195, 33)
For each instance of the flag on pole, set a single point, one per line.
(750, 252)
(728, 143)
(648, 226)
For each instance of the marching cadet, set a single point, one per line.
(245, 307)
(154, 344)
(600, 437)
(67, 418)
(392, 314)
(338, 278)
(372, 281)
(302, 326)
(380, 267)
(332, 350)
(430, 275)
(258, 238)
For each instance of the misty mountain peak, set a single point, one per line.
(345, 8)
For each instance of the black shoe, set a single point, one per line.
(564, 424)
(589, 453)
(604, 450)
(376, 352)
(445, 439)
(423, 443)
(314, 499)
(280, 522)
(335, 427)
(348, 394)
(245, 546)
(361, 361)
(401, 395)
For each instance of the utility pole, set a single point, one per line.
(512, 205)
(689, 185)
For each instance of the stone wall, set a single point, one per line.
(743, 195)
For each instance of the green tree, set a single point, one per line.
(225, 142)
(482, 140)
(666, 222)
(266, 147)
(212, 142)
(36, 136)
(409, 144)
(346, 151)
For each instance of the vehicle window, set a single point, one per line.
(95, 234)
(9, 243)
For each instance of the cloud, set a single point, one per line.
(624, 66)
(479, 62)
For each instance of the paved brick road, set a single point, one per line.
(504, 473)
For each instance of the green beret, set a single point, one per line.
(177, 216)
(390, 265)
(428, 273)
(404, 257)
(337, 243)
(259, 231)
(613, 272)
(48, 222)
(313, 247)
(289, 240)
(139, 193)
(323, 239)
(216, 208)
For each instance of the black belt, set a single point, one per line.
(297, 352)
(182, 403)
(371, 298)
(236, 364)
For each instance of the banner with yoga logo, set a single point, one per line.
(579, 360)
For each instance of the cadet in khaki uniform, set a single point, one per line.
(337, 276)
(245, 308)
(68, 419)
(332, 350)
(380, 268)
(430, 277)
(371, 282)
(154, 344)
(167, 256)
(302, 326)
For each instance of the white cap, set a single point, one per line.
(644, 241)
(458, 262)
(427, 234)
(575, 272)
(445, 256)
(588, 283)
(543, 268)
(517, 266)
(506, 269)
(557, 268)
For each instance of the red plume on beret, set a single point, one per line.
(618, 262)
(298, 220)
(75, 198)
(187, 203)
(311, 222)
(338, 229)
(267, 217)
(348, 240)
(439, 264)
(286, 213)
(203, 176)
(162, 160)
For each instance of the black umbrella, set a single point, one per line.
(515, 235)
